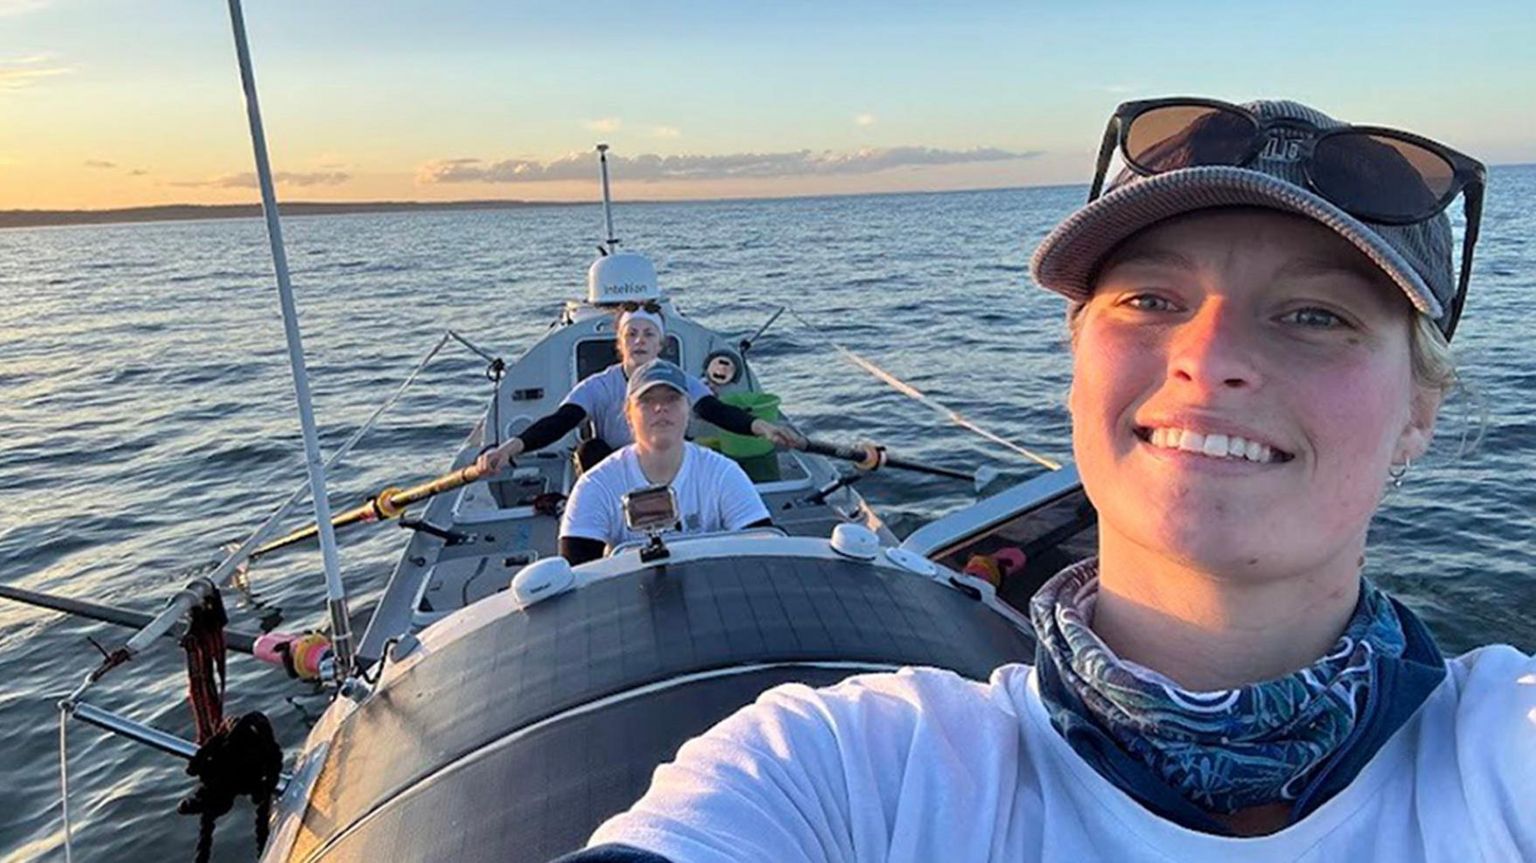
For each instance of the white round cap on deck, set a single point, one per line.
(542, 579)
(855, 541)
(619, 277)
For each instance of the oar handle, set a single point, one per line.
(864, 456)
(391, 502)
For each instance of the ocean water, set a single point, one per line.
(146, 417)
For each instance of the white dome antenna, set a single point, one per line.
(617, 277)
(621, 277)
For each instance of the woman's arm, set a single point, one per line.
(737, 421)
(548, 429)
(543, 432)
(764, 785)
(729, 417)
(578, 549)
(740, 505)
(593, 519)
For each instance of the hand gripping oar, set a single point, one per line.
(872, 457)
(387, 504)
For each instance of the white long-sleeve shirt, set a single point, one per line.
(923, 765)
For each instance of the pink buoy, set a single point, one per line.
(301, 655)
(1009, 560)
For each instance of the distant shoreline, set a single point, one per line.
(189, 212)
(192, 212)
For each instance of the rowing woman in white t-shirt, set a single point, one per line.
(713, 493)
(641, 334)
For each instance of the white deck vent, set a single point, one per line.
(855, 541)
(542, 579)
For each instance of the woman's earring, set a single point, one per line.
(1398, 471)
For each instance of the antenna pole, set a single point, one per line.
(612, 242)
(336, 598)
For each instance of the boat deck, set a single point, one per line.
(512, 742)
(496, 540)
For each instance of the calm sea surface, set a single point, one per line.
(146, 417)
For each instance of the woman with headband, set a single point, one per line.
(1259, 306)
(641, 333)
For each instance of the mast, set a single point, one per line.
(611, 244)
(336, 599)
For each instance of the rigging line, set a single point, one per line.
(261, 533)
(484, 354)
(915, 394)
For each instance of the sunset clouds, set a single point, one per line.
(471, 99)
(247, 180)
(19, 72)
(655, 168)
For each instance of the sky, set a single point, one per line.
(114, 103)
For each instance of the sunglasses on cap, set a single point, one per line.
(648, 306)
(1379, 175)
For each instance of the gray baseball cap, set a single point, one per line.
(656, 373)
(1417, 257)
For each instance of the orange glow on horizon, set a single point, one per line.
(53, 186)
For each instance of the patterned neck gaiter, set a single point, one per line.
(1226, 750)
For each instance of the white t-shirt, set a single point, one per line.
(713, 494)
(602, 397)
(923, 765)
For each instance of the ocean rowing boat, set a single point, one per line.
(501, 703)
(499, 673)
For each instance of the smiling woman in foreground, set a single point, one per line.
(1260, 309)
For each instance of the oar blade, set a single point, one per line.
(985, 476)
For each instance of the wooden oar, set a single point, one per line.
(387, 504)
(872, 457)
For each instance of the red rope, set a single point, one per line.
(204, 644)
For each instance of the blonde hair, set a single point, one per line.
(1434, 367)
